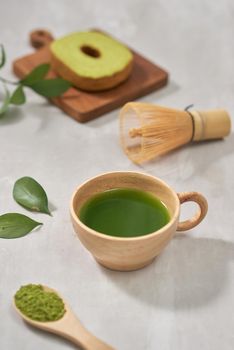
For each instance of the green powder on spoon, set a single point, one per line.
(39, 304)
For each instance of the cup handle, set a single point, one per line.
(199, 216)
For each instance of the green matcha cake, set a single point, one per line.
(91, 61)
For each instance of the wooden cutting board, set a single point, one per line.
(83, 106)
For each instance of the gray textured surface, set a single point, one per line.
(184, 300)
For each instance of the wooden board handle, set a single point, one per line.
(40, 38)
(199, 216)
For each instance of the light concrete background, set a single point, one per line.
(185, 299)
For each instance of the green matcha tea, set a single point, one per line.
(124, 212)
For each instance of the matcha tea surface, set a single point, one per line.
(124, 212)
(91, 54)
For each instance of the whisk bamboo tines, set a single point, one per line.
(148, 131)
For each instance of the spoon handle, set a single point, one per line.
(89, 342)
(79, 335)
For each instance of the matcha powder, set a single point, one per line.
(38, 304)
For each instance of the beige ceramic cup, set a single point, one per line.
(126, 254)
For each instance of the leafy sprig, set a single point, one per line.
(15, 225)
(31, 195)
(35, 80)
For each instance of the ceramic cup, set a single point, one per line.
(126, 254)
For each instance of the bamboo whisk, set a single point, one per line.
(148, 131)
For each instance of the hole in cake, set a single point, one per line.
(41, 32)
(90, 51)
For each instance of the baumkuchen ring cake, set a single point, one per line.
(91, 61)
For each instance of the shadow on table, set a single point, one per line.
(190, 273)
(193, 159)
(207, 153)
(165, 91)
(169, 89)
(12, 116)
(52, 337)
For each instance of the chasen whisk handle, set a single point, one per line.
(148, 131)
(212, 124)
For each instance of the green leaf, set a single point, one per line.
(2, 56)
(6, 101)
(14, 225)
(36, 74)
(30, 194)
(51, 87)
(18, 97)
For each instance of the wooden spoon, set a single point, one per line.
(68, 327)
